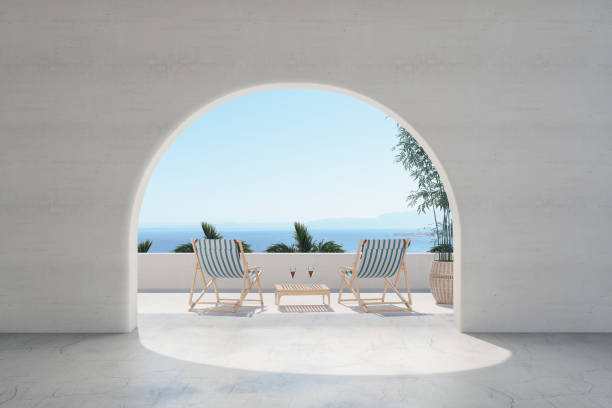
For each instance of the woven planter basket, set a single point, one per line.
(441, 282)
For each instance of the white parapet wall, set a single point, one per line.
(165, 271)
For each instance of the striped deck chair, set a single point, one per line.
(222, 258)
(378, 258)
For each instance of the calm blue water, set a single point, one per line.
(165, 239)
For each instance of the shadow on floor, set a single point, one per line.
(401, 311)
(243, 311)
(304, 308)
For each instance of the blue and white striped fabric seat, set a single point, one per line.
(252, 273)
(380, 258)
(220, 258)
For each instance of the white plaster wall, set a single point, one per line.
(160, 271)
(513, 97)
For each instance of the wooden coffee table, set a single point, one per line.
(301, 289)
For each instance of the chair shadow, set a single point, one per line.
(305, 309)
(401, 311)
(244, 311)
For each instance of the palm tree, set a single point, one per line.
(144, 246)
(305, 243)
(246, 247)
(210, 232)
(328, 246)
(302, 237)
(281, 248)
(184, 248)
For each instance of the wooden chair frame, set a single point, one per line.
(247, 285)
(353, 285)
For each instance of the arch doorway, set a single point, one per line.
(185, 124)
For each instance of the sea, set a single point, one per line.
(166, 238)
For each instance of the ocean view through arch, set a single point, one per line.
(296, 154)
(261, 235)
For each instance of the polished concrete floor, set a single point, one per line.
(303, 356)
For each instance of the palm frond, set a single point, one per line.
(210, 232)
(246, 247)
(305, 243)
(281, 248)
(328, 246)
(144, 246)
(184, 248)
(303, 239)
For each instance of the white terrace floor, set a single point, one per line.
(292, 357)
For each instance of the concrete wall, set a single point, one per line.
(512, 98)
(175, 271)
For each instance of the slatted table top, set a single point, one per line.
(301, 287)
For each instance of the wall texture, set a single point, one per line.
(513, 98)
(174, 271)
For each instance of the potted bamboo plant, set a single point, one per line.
(430, 197)
(441, 275)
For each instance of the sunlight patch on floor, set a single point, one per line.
(304, 336)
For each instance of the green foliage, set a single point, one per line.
(442, 248)
(281, 248)
(305, 243)
(210, 232)
(430, 194)
(144, 246)
(184, 248)
(302, 237)
(328, 246)
(246, 247)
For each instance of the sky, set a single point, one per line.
(276, 156)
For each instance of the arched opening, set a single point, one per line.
(212, 105)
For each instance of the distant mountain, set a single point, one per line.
(409, 220)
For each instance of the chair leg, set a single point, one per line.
(259, 289)
(242, 294)
(397, 292)
(192, 303)
(384, 293)
(214, 282)
(358, 295)
(193, 280)
(408, 291)
(342, 279)
(397, 278)
(247, 286)
(195, 303)
(245, 292)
